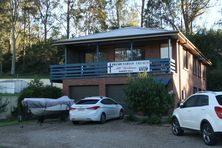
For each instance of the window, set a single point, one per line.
(219, 99)
(185, 58)
(90, 57)
(183, 94)
(107, 101)
(202, 100)
(91, 101)
(196, 67)
(165, 52)
(196, 101)
(204, 72)
(195, 89)
(191, 102)
(125, 54)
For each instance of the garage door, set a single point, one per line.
(117, 93)
(79, 92)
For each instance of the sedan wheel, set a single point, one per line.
(176, 129)
(75, 122)
(208, 134)
(102, 118)
(121, 114)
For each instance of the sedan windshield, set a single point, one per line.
(219, 99)
(91, 101)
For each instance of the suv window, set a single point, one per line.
(191, 102)
(202, 100)
(219, 99)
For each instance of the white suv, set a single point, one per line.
(201, 111)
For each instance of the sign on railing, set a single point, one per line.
(128, 66)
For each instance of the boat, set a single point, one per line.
(48, 106)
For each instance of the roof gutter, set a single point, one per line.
(67, 42)
(186, 41)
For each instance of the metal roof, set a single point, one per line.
(118, 34)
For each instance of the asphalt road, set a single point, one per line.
(113, 134)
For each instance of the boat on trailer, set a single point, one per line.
(42, 107)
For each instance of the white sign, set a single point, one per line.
(128, 67)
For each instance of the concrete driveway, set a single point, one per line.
(113, 134)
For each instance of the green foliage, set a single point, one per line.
(153, 119)
(131, 118)
(209, 43)
(36, 89)
(145, 95)
(38, 58)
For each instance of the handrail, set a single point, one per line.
(83, 70)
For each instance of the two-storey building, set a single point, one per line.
(99, 64)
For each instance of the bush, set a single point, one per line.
(145, 95)
(153, 119)
(36, 89)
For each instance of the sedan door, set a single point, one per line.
(109, 108)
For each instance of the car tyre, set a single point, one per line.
(121, 114)
(103, 118)
(75, 122)
(208, 134)
(176, 129)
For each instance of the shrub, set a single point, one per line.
(145, 95)
(153, 119)
(36, 89)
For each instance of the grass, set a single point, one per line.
(24, 76)
(8, 94)
(4, 123)
(8, 123)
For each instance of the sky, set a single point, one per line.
(211, 15)
(207, 19)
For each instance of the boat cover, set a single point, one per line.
(46, 102)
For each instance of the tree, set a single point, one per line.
(142, 13)
(13, 6)
(191, 9)
(209, 42)
(153, 14)
(169, 12)
(46, 15)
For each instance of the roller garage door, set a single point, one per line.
(79, 92)
(117, 92)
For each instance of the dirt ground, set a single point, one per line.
(112, 134)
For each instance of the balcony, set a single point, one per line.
(89, 70)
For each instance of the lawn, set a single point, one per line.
(8, 122)
(12, 122)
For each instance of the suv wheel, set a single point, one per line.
(208, 134)
(176, 129)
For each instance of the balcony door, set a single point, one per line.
(165, 51)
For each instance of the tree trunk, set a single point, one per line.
(68, 19)
(117, 17)
(13, 46)
(45, 31)
(142, 13)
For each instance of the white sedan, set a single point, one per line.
(95, 109)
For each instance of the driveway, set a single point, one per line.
(113, 134)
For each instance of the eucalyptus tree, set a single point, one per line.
(179, 14)
(46, 14)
